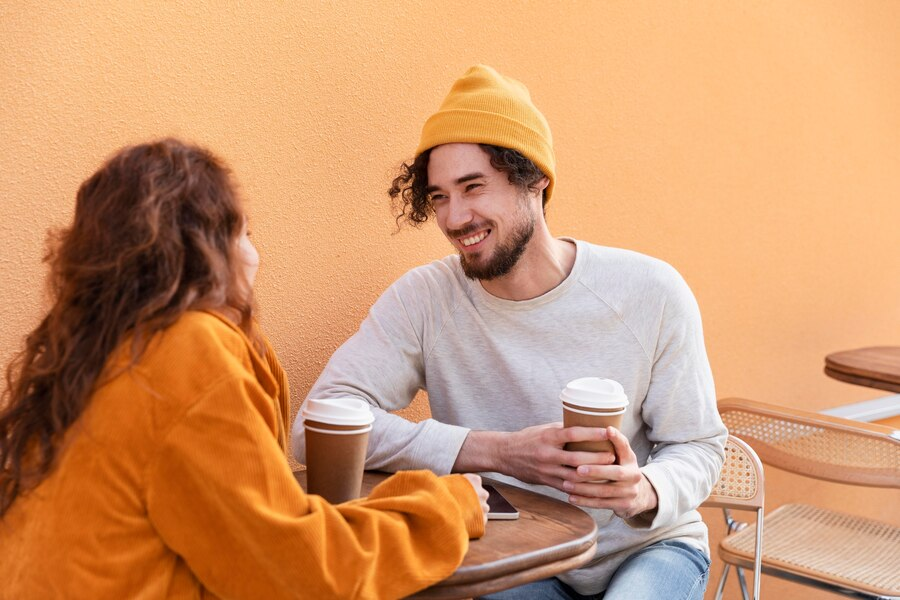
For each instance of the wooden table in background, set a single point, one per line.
(877, 367)
(548, 538)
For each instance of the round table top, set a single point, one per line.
(876, 367)
(548, 538)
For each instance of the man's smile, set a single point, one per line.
(473, 241)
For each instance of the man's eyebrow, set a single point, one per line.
(463, 179)
(469, 177)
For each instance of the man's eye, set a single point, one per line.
(437, 197)
(472, 186)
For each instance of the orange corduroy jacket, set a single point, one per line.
(174, 484)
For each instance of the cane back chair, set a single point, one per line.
(818, 547)
(741, 487)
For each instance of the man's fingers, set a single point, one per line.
(573, 459)
(558, 474)
(581, 434)
(593, 490)
(598, 473)
(577, 459)
(620, 443)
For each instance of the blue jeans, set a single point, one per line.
(669, 570)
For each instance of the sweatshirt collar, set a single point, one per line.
(484, 297)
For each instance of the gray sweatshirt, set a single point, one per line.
(499, 365)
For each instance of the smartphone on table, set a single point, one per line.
(500, 508)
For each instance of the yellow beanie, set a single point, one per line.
(484, 107)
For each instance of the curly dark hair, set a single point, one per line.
(409, 198)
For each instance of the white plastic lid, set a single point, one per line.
(338, 411)
(594, 392)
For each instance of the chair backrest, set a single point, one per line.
(816, 445)
(741, 483)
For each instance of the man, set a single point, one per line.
(495, 333)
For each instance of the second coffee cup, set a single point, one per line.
(337, 434)
(593, 402)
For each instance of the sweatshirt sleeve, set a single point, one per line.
(383, 364)
(680, 411)
(221, 495)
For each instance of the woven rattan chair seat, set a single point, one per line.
(820, 543)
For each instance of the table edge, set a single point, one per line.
(449, 590)
(862, 380)
(522, 562)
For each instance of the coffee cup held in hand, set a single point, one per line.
(593, 402)
(337, 433)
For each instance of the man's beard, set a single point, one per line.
(505, 256)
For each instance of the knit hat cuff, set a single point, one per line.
(468, 126)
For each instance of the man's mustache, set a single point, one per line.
(472, 228)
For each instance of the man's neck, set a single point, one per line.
(545, 263)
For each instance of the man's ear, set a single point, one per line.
(539, 186)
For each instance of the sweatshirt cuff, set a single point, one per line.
(469, 505)
(664, 513)
(444, 444)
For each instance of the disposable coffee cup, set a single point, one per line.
(593, 402)
(337, 433)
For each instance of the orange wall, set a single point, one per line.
(755, 146)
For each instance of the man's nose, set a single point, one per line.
(459, 213)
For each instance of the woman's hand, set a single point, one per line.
(482, 493)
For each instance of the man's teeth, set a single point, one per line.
(474, 239)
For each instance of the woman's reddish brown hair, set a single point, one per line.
(155, 235)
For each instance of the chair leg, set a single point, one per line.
(742, 580)
(757, 559)
(721, 587)
(734, 526)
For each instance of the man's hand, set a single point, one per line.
(624, 489)
(533, 455)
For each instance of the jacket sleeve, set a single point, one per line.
(283, 396)
(222, 496)
(384, 364)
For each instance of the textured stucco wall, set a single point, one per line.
(755, 146)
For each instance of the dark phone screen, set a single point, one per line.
(500, 508)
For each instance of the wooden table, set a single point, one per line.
(877, 367)
(548, 538)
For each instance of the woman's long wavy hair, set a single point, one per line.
(155, 234)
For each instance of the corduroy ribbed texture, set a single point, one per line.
(485, 107)
(173, 484)
(283, 396)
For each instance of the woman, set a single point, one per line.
(143, 431)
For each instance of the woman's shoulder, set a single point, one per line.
(190, 360)
(202, 329)
(199, 350)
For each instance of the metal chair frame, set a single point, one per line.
(741, 486)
